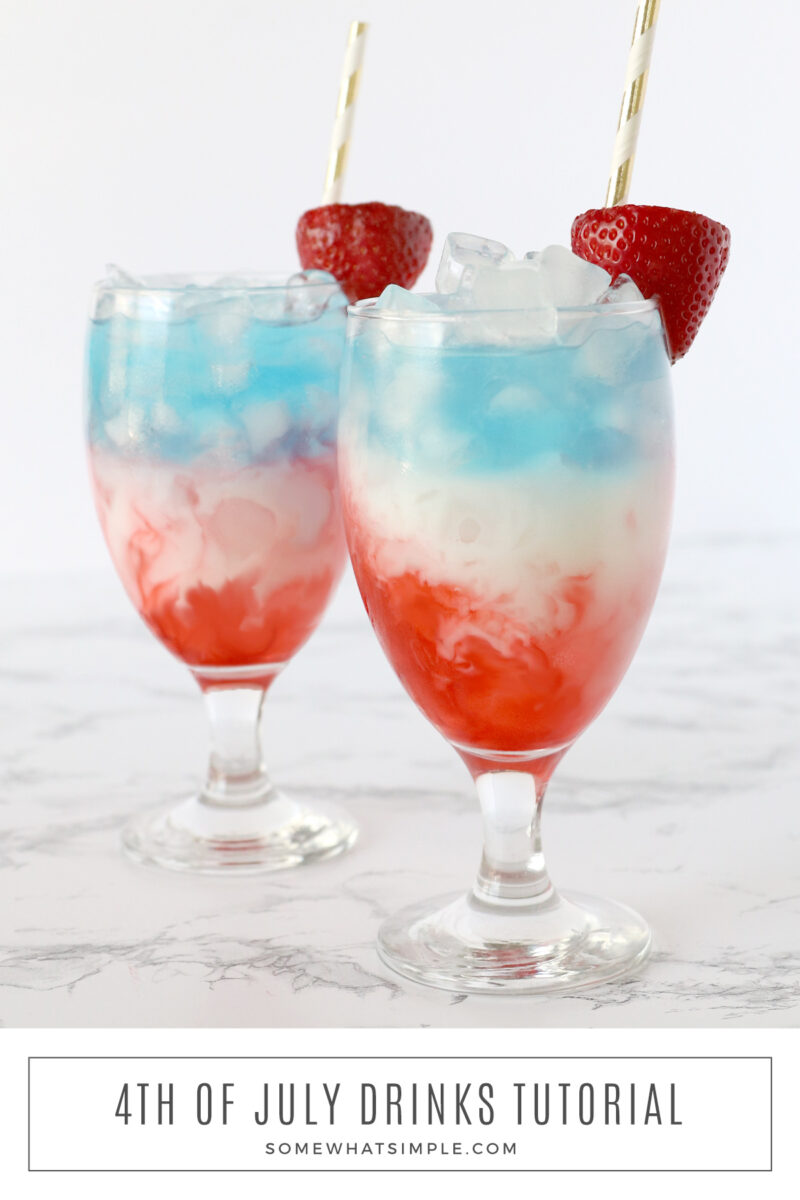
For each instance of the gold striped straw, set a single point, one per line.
(345, 108)
(630, 113)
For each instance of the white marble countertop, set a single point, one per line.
(682, 800)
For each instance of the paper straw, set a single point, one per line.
(345, 108)
(630, 113)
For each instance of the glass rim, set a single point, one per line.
(177, 283)
(367, 310)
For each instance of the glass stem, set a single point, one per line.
(512, 868)
(237, 777)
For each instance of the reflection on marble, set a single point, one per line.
(681, 800)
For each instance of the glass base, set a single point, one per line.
(466, 944)
(212, 839)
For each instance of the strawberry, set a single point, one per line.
(677, 256)
(366, 246)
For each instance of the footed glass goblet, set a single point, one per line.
(507, 485)
(211, 419)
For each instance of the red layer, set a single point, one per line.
(486, 679)
(169, 536)
(230, 626)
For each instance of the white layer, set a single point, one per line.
(515, 535)
(175, 527)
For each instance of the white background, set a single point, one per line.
(188, 134)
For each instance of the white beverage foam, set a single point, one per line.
(515, 535)
(176, 526)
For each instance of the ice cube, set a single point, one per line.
(265, 424)
(570, 281)
(398, 299)
(463, 254)
(508, 300)
(622, 291)
(268, 304)
(510, 286)
(242, 529)
(513, 303)
(164, 418)
(113, 296)
(311, 276)
(222, 319)
(217, 433)
(309, 293)
(401, 332)
(118, 277)
(230, 377)
(410, 396)
(126, 429)
(320, 410)
(611, 351)
(231, 281)
(443, 446)
(306, 502)
(516, 398)
(599, 448)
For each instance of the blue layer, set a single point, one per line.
(208, 378)
(496, 409)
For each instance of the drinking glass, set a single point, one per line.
(507, 485)
(211, 416)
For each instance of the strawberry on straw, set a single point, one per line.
(677, 256)
(365, 246)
